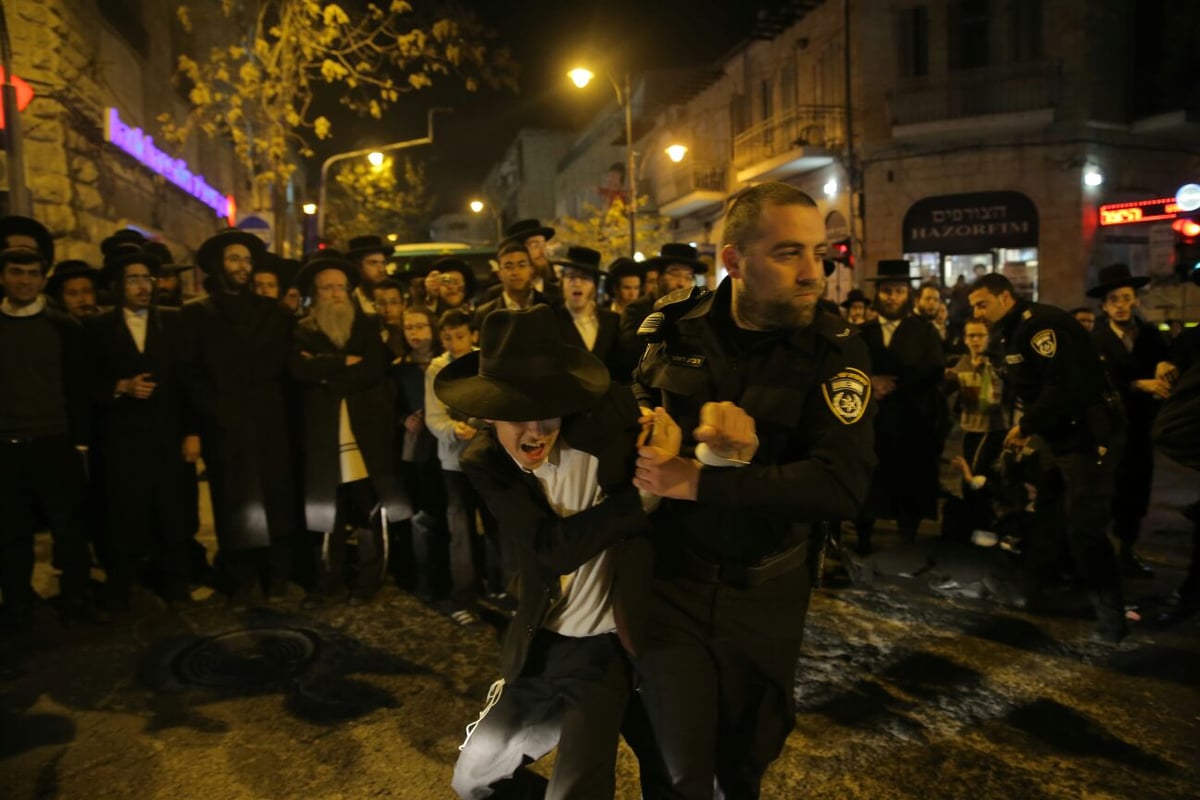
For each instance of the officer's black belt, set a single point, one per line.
(745, 576)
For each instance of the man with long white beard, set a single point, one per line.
(351, 482)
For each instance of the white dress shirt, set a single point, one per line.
(587, 324)
(135, 321)
(888, 326)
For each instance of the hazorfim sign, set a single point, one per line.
(970, 223)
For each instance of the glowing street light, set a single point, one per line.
(309, 209)
(477, 206)
(581, 77)
(376, 159)
(1093, 177)
(831, 187)
(676, 152)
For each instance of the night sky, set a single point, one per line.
(546, 39)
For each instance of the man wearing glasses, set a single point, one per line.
(676, 267)
(138, 429)
(237, 347)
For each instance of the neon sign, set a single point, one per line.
(138, 144)
(1139, 211)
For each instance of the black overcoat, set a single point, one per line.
(319, 368)
(235, 360)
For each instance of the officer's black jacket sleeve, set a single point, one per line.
(1059, 374)
(830, 480)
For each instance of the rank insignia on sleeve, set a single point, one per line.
(846, 394)
(1044, 343)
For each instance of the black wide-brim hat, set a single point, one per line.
(894, 270)
(584, 259)
(624, 267)
(523, 371)
(522, 229)
(66, 270)
(360, 247)
(124, 255)
(28, 226)
(678, 253)
(321, 261)
(1115, 276)
(208, 257)
(855, 296)
(165, 259)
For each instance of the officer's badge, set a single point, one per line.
(847, 394)
(1044, 343)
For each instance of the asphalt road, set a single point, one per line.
(901, 693)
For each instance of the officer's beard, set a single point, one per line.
(335, 320)
(774, 313)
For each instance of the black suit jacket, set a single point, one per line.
(547, 545)
(608, 325)
(497, 302)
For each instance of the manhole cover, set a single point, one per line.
(247, 658)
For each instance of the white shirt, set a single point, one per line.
(587, 324)
(350, 459)
(888, 326)
(364, 302)
(135, 321)
(569, 479)
(507, 301)
(23, 311)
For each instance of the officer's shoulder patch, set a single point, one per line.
(1014, 358)
(1027, 313)
(1044, 343)
(668, 309)
(847, 394)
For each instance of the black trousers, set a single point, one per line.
(715, 680)
(42, 478)
(1134, 476)
(418, 553)
(358, 512)
(571, 694)
(1074, 495)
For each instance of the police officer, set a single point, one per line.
(1061, 395)
(773, 397)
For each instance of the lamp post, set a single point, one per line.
(374, 154)
(581, 77)
(478, 206)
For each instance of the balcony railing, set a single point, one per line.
(700, 176)
(1008, 89)
(801, 127)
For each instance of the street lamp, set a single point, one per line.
(309, 209)
(372, 154)
(581, 77)
(477, 207)
(676, 152)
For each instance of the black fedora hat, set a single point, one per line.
(360, 247)
(165, 259)
(122, 255)
(23, 255)
(320, 261)
(66, 270)
(678, 253)
(624, 267)
(855, 296)
(522, 229)
(122, 238)
(894, 270)
(13, 225)
(523, 371)
(209, 256)
(584, 259)
(452, 264)
(1114, 276)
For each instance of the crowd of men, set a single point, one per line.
(653, 459)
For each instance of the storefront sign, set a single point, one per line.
(1139, 211)
(970, 223)
(138, 144)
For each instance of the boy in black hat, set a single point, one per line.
(623, 283)
(534, 235)
(556, 471)
(44, 428)
(369, 254)
(856, 304)
(137, 400)
(582, 322)
(1132, 351)
(72, 286)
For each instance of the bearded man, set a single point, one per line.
(351, 482)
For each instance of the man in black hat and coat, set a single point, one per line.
(534, 235)
(1132, 351)
(556, 471)
(168, 289)
(139, 429)
(237, 356)
(369, 255)
(582, 322)
(623, 283)
(1060, 394)
(72, 286)
(44, 435)
(907, 369)
(856, 305)
(351, 480)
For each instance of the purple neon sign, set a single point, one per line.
(138, 144)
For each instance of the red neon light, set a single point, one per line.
(232, 218)
(24, 94)
(1187, 227)
(1139, 211)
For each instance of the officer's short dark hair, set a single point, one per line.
(741, 221)
(513, 246)
(454, 318)
(995, 284)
